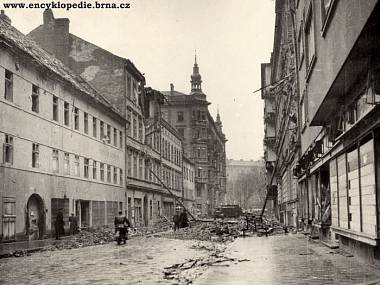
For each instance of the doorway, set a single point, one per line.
(35, 220)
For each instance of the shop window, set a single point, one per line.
(66, 113)
(8, 94)
(8, 149)
(35, 98)
(35, 155)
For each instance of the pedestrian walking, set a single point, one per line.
(73, 220)
(176, 221)
(183, 220)
(59, 225)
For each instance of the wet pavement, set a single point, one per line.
(288, 259)
(141, 261)
(282, 259)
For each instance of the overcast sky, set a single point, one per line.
(232, 38)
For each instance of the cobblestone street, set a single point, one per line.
(284, 259)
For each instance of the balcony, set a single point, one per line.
(201, 180)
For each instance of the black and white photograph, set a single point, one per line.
(205, 142)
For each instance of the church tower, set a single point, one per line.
(196, 79)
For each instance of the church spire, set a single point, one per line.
(196, 79)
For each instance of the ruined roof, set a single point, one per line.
(16, 39)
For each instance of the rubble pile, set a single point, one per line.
(218, 231)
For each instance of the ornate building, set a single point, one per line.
(204, 141)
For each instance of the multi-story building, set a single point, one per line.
(203, 139)
(122, 84)
(188, 171)
(340, 118)
(281, 139)
(63, 143)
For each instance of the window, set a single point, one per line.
(141, 168)
(8, 149)
(94, 170)
(108, 173)
(121, 139)
(121, 176)
(115, 175)
(35, 155)
(180, 116)
(108, 134)
(76, 165)
(55, 108)
(309, 37)
(181, 132)
(326, 7)
(130, 122)
(301, 45)
(101, 130)
(85, 167)
(203, 116)
(76, 118)
(8, 94)
(85, 122)
(94, 127)
(66, 113)
(55, 160)
(304, 110)
(135, 165)
(66, 163)
(129, 163)
(35, 98)
(134, 135)
(115, 137)
(102, 171)
(129, 86)
(140, 130)
(199, 192)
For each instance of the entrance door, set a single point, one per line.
(145, 210)
(35, 222)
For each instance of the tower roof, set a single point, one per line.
(196, 78)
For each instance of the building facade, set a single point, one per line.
(54, 154)
(188, 172)
(340, 119)
(281, 138)
(203, 141)
(123, 85)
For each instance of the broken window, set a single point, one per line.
(35, 98)
(66, 113)
(35, 155)
(8, 149)
(55, 108)
(8, 94)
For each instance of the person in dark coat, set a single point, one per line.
(183, 220)
(59, 225)
(176, 221)
(73, 224)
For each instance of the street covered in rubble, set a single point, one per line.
(213, 252)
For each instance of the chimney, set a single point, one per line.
(48, 17)
(171, 89)
(5, 18)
